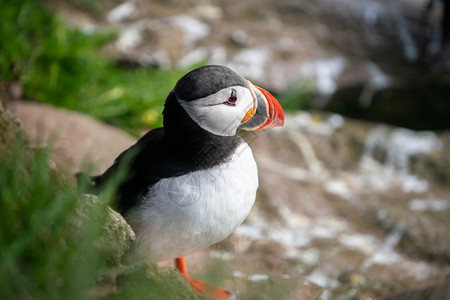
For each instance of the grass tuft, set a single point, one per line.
(40, 256)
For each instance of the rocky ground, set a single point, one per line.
(346, 209)
(276, 43)
(358, 209)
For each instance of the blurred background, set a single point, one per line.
(354, 199)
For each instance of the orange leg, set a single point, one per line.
(200, 288)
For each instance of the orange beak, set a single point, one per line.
(265, 113)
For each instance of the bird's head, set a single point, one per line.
(220, 101)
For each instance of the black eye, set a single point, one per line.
(232, 99)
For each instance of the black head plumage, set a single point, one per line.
(205, 81)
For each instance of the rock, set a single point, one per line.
(325, 73)
(329, 211)
(116, 238)
(10, 128)
(147, 281)
(121, 12)
(131, 37)
(78, 142)
(239, 37)
(157, 59)
(194, 30)
(209, 11)
(126, 278)
(251, 63)
(438, 292)
(195, 57)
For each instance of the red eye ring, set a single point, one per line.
(232, 99)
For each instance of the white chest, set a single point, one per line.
(188, 213)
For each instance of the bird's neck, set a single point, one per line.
(185, 139)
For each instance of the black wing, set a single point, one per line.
(142, 165)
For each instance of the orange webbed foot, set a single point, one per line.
(200, 288)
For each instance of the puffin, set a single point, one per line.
(190, 183)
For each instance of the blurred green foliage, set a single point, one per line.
(40, 256)
(60, 65)
(296, 98)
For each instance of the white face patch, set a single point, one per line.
(211, 114)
